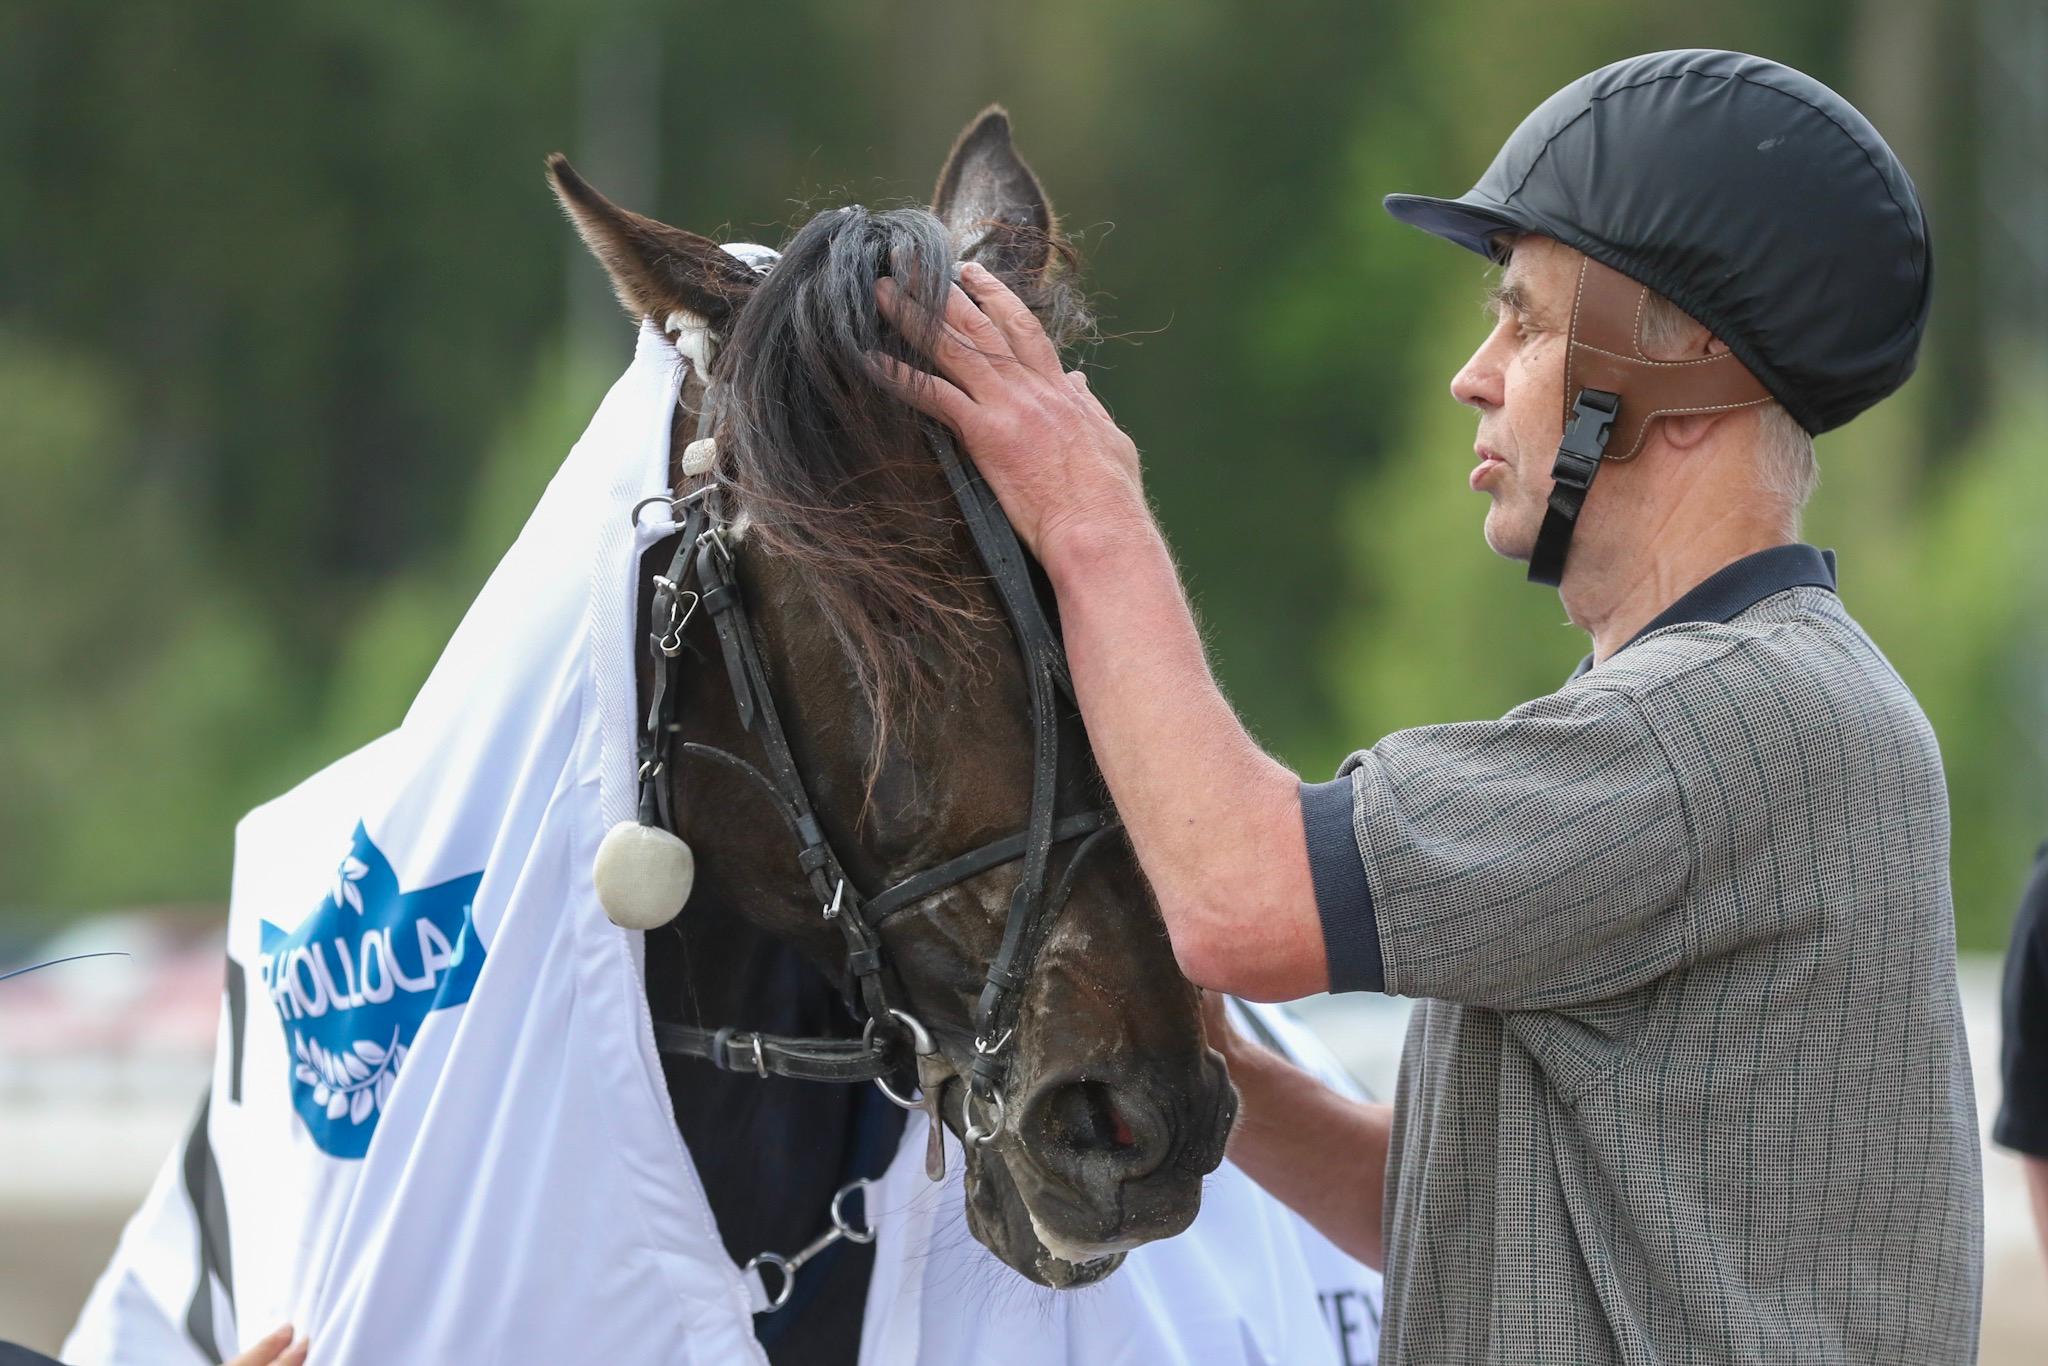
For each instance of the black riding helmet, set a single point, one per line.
(1745, 192)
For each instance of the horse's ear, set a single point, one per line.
(656, 269)
(992, 203)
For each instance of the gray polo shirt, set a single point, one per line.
(1688, 1081)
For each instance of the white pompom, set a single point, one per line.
(643, 875)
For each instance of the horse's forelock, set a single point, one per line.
(831, 470)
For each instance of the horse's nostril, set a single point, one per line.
(1084, 1116)
(1088, 1119)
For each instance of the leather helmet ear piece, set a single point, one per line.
(1748, 194)
(1613, 391)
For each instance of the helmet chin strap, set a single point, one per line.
(1612, 392)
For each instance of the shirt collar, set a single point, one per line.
(1735, 588)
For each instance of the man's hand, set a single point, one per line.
(1057, 461)
(1216, 822)
(1321, 1154)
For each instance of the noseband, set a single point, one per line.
(704, 573)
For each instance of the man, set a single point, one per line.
(2022, 1123)
(1688, 1080)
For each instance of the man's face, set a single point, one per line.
(1515, 381)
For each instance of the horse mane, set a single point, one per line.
(832, 471)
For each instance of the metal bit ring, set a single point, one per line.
(976, 1136)
(920, 1044)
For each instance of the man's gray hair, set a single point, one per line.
(1786, 469)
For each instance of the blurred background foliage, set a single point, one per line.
(291, 335)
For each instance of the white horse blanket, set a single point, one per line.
(437, 1128)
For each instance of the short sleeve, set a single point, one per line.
(2022, 1123)
(1540, 861)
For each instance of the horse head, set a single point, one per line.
(908, 705)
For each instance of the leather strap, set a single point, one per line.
(772, 1055)
(1031, 909)
(1045, 668)
(953, 871)
(1613, 390)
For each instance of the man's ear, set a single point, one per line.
(992, 203)
(1683, 431)
(655, 269)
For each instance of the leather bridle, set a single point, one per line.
(704, 573)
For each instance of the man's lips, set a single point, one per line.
(1488, 463)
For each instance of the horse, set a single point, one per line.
(913, 728)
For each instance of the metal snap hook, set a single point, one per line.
(670, 640)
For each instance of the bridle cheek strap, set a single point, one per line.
(1612, 392)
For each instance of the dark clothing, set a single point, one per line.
(2023, 1118)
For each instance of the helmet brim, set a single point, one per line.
(1473, 223)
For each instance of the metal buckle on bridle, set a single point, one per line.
(714, 536)
(838, 900)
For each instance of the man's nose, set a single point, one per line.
(1478, 383)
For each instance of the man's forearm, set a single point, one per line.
(1321, 1154)
(1216, 822)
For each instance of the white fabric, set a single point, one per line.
(1248, 1284)
(521, 1193)
(437, 1128)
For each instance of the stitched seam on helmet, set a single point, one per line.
(1672, 364)
(1571, 350)
(1544, 151)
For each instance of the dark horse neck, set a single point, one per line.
(771, 1152)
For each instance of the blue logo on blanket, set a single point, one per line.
(353, 983)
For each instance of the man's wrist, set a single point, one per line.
(1080, 548)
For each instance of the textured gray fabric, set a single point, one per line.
(1690, 1084)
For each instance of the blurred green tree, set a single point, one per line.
(282, 284)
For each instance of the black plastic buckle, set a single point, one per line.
(1585, 438)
